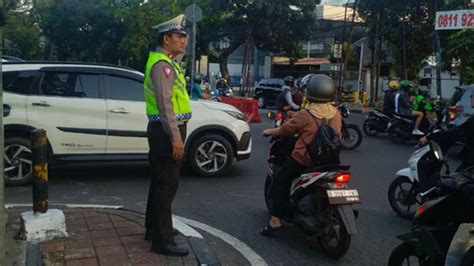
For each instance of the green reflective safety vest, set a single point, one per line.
(180, 99)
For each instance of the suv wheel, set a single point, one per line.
(261, 102)
(18, 164)
(211, 155)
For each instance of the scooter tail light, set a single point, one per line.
(343, 178)
(280, 117)
(420, 211)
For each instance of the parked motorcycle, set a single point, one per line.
(321, 200)
(377, 122)
(422, 173)
(351, 134)
(436, 222)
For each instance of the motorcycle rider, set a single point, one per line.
(462, 132)
(320, 93)
(420, 103)
(285, 100)
(389, 97)
(403, 105)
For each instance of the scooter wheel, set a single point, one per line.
(397, 135)
(407, 254)
(403, 196)
(369, 127)
(337, 241)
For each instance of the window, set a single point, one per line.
(18, 81)
(70, 85)
(125, 89)
(56, 84)
(87, 86)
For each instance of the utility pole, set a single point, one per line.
(2, 194)
(404, 46)
(342, 65)
(438, 56)
(349, 43)
(372, 65)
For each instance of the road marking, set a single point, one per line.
(93, 206)
(185, 229)
(240, 246)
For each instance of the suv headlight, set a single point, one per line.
(236, 115)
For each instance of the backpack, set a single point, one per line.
(326, 146)
(281, 100)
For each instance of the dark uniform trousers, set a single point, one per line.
(164, 184)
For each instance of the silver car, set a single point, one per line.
(461, 105)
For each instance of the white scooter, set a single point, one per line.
(423, 171)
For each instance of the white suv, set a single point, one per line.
(96, 113)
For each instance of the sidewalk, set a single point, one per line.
(100, 237)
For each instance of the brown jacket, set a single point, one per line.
(303, 124)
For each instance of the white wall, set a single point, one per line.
(448, 81)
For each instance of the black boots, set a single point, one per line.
(170, 249)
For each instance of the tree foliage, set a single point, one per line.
(276, 26)
(406, 26)
(410, 24)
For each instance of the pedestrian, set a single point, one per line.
(168, 109)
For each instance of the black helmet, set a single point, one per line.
(320, 89)
(289, 80)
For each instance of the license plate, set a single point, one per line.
(343, 196)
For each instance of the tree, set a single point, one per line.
(21, 36)
(460, 48)
(407, 27)
(277, 26)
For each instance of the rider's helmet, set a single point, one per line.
(394, 85)
(406, 85)
(304, 81)
(289, 81)
(320, 89)
(198, 77)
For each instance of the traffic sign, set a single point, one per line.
(454, 20)
(193, 13)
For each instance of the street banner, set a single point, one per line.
(454, 20)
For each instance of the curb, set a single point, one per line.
(33, 255)
(202, 251)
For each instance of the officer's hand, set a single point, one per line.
(178, 150)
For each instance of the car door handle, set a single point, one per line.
(42, 104)
(119, 111)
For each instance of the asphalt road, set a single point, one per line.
(235, 204)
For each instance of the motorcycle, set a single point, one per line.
(400, 131)
(424, 166)
(436, 222)
(320, 198)
(221, 92)
(351, 135)
(377, 122)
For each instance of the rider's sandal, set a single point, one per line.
(270, 230)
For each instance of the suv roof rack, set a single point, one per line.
(66, 63)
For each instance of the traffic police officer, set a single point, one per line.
(168, 109)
